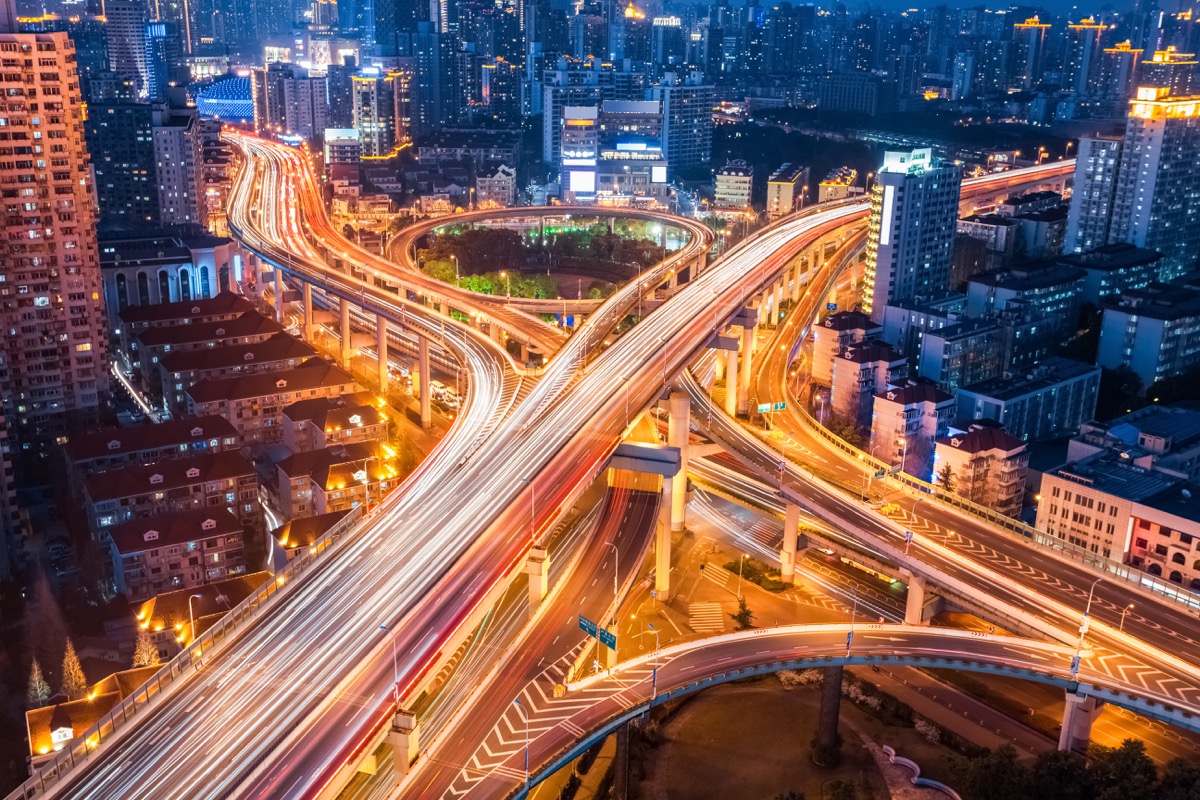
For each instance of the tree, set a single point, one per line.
(145, 654)
(1180, 781)
(1120, 392)
(790, 794)
(74, 682)
(1123, 771)
(946, 478)
(1060, 776)
(744, 616)
(39, 691)
(842, 790)
(348, 232)
(996, 775)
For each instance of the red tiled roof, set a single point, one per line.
(249, 324)
(280, 347)
(138, 480)
(150, 436)
(336, 412)
(223, 303)
(306, 530)
(312, 374)
(914, 392)
(168, 529)
(980, 439)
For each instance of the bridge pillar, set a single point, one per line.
(310, 327)
(404, 740)
(719, 368)
(777, 310)
(743, 385)
(914, 607)
(699, 266)
(731, 382)
(524, 353)
(610, 655)
(677, 436)
(796, 269)
(381, 350)
(495, 332)
(787, 556)
(662, 539)
(578, 318)
(1078, 715)
(612, 224)
(831, 709)
(347, 349)
(426, 382)
(537, 566)
(279, 295)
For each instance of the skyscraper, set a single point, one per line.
(288, 99)
(1030, 40)
(1090, 217)
(375, 112)
(126, 32)
(914, 213)
(54, 356)
(687, 104)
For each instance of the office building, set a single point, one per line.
(579, 147)
(631, 169)
(786, 189)
(687, 104)
(914, 214)
(986, 465)
(1154, 331)
(733, 186)
(1051, 399)
(54, 362)
(906, 421)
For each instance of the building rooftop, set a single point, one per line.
(224, 303)
(1180, 500)
(109, 442)
(161, 476)
(455, 139)
(310, 462)
(1051, 215)
(1029, 277)
(916, 391)
(870, 352)
(1162, 301)
(1111, 474)
(1112, 256)
(983, 438)
(179, 527)
(1049, 372)
(991, 219)
(306, 530)
(171, 609)
(79, 715)
(737, 168)
(849, 321)
(1019, 201)
(280, 347)
(250, 323)
(788, 173)
(336, 413)
(312, 374)
(964, 329)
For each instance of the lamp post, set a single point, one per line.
(1124, 611)
(1083, 628)
(853, 616)
(395, 666)
(532, 510)
(192, 616)
(741, 564)
(868, 476)
(457, 277)
(525, 716)
(507, 284)
(654, 672)
(615, 590)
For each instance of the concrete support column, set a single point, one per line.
(426, 381)
(1078, 715)
(524, 353)
(677, 436)
(797, 277)
(347, 350)
(777, 311)
(310, 327)
(495, 332)
(279, 295)
(787, 556)
(914, 607)
(579, 320)
(609, 656)
(662, 540)
(731, 382)
(747, 359)
(537, 566)
(719, 368)
(404, 741)
(381, 350)
(831, 708)
(672, 279)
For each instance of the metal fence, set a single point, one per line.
(82, 747)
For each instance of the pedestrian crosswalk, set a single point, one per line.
(716, 574)
(706, 617)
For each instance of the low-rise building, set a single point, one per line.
(206, 481)
(1016, 205)
(1113, 269)
(985, 464)
(859, 372)
(839, 330)
(786, 190)
(174, 619)
(317, 482)
(1164, 438)
(327, 421)
(178, 371)
(998, 233)
(962, 353)
(839, 185)
(733, 186)
(1041, 233)
(149, 346)
(496, 187)
(134, 319)
(1050, 400)
(297, 535)
(254, 403)
(1153, 331)
(907, 421)
(1041, 289)
(478, 146)
(96, 451)
(179, 550)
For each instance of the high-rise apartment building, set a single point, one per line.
(1090, 218)
(288, 99)
(1029, 38)
(375, 112)
(1081, 65)
(687, 118)
(178, 163)
(914, 215)
(54, 356)
(120, 137)
(125, 30)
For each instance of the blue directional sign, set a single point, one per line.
(831, 306)
(849, 641)
(780, 406)
(607, 638)
(764, 408)
(587, 626)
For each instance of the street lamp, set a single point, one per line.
(853, 616)
(615, 590)
(741, 563)
(395, 665)
(868, 476)
(654, 673)
(1083, 628)
(1124, 611)
(457, 278)
(507, 284)
(192, 616)
(525, 716)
